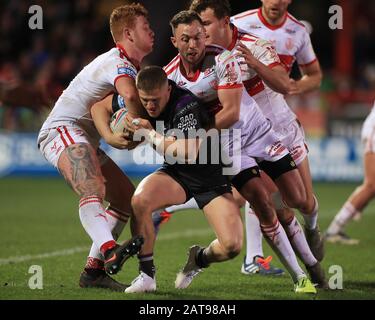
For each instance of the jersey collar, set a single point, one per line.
(123, 54)
(267, 24)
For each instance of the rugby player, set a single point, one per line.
(69, 140)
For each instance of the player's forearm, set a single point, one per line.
(101, 117)
(183, 150)
(309, 82)
(227, 117)
(277, 80)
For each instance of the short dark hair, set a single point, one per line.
(184, 17)
(151, 78)
(221, 8)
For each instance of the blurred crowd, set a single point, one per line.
(36, 65)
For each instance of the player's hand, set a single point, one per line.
(294, 88)
(246, 54)
(137, 123)
(120, 140)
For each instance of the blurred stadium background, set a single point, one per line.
(36, 65)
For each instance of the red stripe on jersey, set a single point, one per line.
(62, 137)
(172, 69)
(170, 63)
(194, 77)
(254, 85)
(307, 64)
(295, 20)
(287, 61)
(122, 76)
(68, 135)
(245, 14)
(231, 86)
(247, 39)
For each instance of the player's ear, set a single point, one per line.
(127, 34)
(173, 39)
(226, 20)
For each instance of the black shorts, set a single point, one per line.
(202, 194)
(279, 167)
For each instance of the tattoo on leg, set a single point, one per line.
(85, 175)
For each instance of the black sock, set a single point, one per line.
(201, 259)
(146, 265)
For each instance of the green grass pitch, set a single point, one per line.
(40, 226)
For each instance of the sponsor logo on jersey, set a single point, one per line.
(255, 26)
(125, 69)
(187, 122)
(181, 83)
(290, 31)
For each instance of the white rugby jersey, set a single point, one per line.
(290, 38)
(92, 84)
(272, 104)
(219, 70)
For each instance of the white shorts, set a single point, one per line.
(261, 144)
(293, 137)
(52, 142)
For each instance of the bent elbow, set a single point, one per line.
(236, 116)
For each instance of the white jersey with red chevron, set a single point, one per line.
(219, 70)
(290, 38)
(272, 104)
(92, 84)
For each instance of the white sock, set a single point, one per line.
(94, 220)
(276, 237)
(117, 220)
(298, 241)
(254, 237)
(191, 204)
(346, 213)
(311, 220)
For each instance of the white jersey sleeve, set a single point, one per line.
(305, 54)
(228, 71)
(118, 68)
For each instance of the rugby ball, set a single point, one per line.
(117, 123)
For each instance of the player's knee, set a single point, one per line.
(297, 200)
(233, 247)
(141, 204)
(264, 209)
(370, 188)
